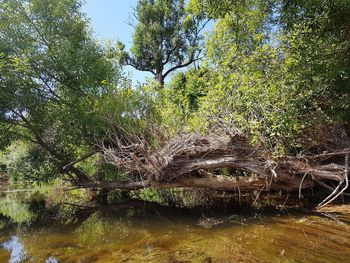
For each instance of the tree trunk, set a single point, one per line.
(160, 79)
(192, 161)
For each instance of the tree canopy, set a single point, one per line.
(166, 37)
(59, 86)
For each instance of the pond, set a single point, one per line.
(152, 233)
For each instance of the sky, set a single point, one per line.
(109, 21)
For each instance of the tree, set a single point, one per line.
(317, 47)
(266, 88)
(58, 86)
(282, 68)
(179, 100)
(166, 37)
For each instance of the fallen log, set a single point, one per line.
(192, 160)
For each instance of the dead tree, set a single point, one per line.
(192, 161)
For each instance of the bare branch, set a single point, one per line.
(82, 158)
(189, 62)
(189, 161)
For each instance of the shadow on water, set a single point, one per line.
(139, 232)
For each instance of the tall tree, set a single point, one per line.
(52, 76)
(166, 37)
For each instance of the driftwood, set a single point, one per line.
(193, 161)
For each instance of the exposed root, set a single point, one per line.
(337, 192)
(191, 161)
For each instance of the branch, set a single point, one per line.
(337, 192)
(117, 185)
(191, 59)
(189, 62)
(169, 53)
(51, 91)
(129, 63)
(14, 122)
(26, 16)
(82, 158)
(38, 140)
(203, 26)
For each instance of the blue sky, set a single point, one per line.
(109, 21)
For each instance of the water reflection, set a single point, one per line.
(157, 234)
(18, 254)
(51, 260)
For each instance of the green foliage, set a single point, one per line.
(18, 212)
(61, 91)
(24, 162)
(317, 44)
(166, 37)
(179, 101)
(52, 64)
(277, 68)
(176, 197)
(220, 8)
(149, 195)
(273, 70)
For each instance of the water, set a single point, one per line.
(155, 234)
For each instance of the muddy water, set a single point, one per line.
(157, 236)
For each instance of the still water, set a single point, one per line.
(155, 234)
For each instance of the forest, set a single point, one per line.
(248, 98)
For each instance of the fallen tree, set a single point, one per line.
(194, 160)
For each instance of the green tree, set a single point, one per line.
(59, 89)
(166, 37)
(316, 41)
(281, 68)
(180, 99)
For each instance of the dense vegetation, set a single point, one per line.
(273, 71)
